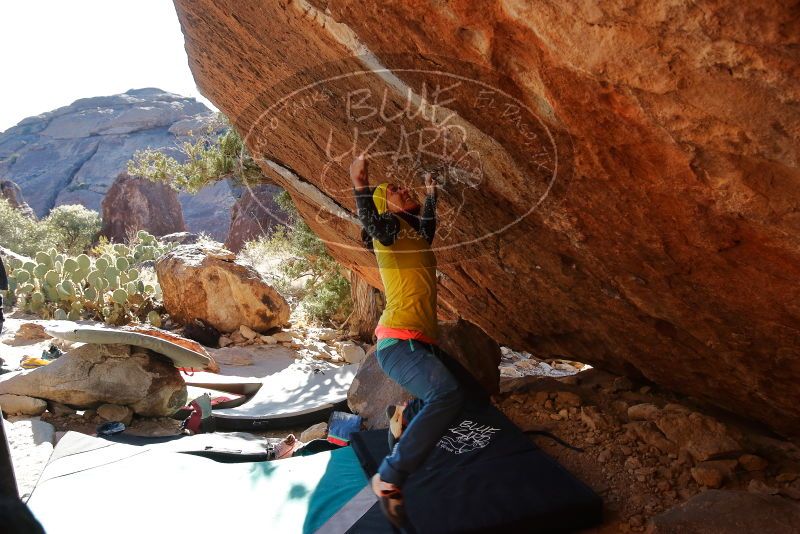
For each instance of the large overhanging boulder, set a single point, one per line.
(622, 181)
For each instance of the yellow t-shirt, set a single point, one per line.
(408, 272)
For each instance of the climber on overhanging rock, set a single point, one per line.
(407, 351)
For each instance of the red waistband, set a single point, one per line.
(402, 333)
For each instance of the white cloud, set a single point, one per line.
(53, 52)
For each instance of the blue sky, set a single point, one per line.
(53, 52)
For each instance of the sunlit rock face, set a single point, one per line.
(73, 154)
(620, 180)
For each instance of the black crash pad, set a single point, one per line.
(484, 475)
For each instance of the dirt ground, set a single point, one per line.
(636, 479)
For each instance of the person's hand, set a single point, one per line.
(430, 184)
(358, 172)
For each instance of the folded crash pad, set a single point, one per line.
(288, 392)
(180, 356)
(290, 398)
(484, 475)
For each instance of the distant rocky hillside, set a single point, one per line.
(73, 154)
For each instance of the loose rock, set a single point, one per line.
(758, 486)
(751, 462)
(22, 405)
(247, 332)
(350, 352)
(707, 476)
(282, 337)
(115, 412)
(567, 399)
(643, 412)
(31, 332)
(318, 431)
(702, 436)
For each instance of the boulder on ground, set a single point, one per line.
(253, 214)
(96, 374)
(207, 283)
(11, 192)
(371, 390)
(702, 436)
(350, 352)
(729, 512)
(21, 405)
(133, 204)
(115, 412)
(318, 431)
(180, 238)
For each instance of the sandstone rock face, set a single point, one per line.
(11, 192)
(133, 204)
(96, 374)
(253, 214)
(210, 285)
(73, 154)
(621, 179)
(476, 351)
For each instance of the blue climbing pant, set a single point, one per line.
(415, 366)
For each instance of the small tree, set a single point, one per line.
(208, 158)
(76, 227)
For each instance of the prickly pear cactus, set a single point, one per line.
(107, 287)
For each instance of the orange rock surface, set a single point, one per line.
(621, 180)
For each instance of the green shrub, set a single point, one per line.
(22, 234)
(76, 226)
(207, 158)
(70, 229)
(289, 254)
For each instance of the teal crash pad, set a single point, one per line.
(93, 485)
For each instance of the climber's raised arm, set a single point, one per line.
(380, 226)
(427, 219)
